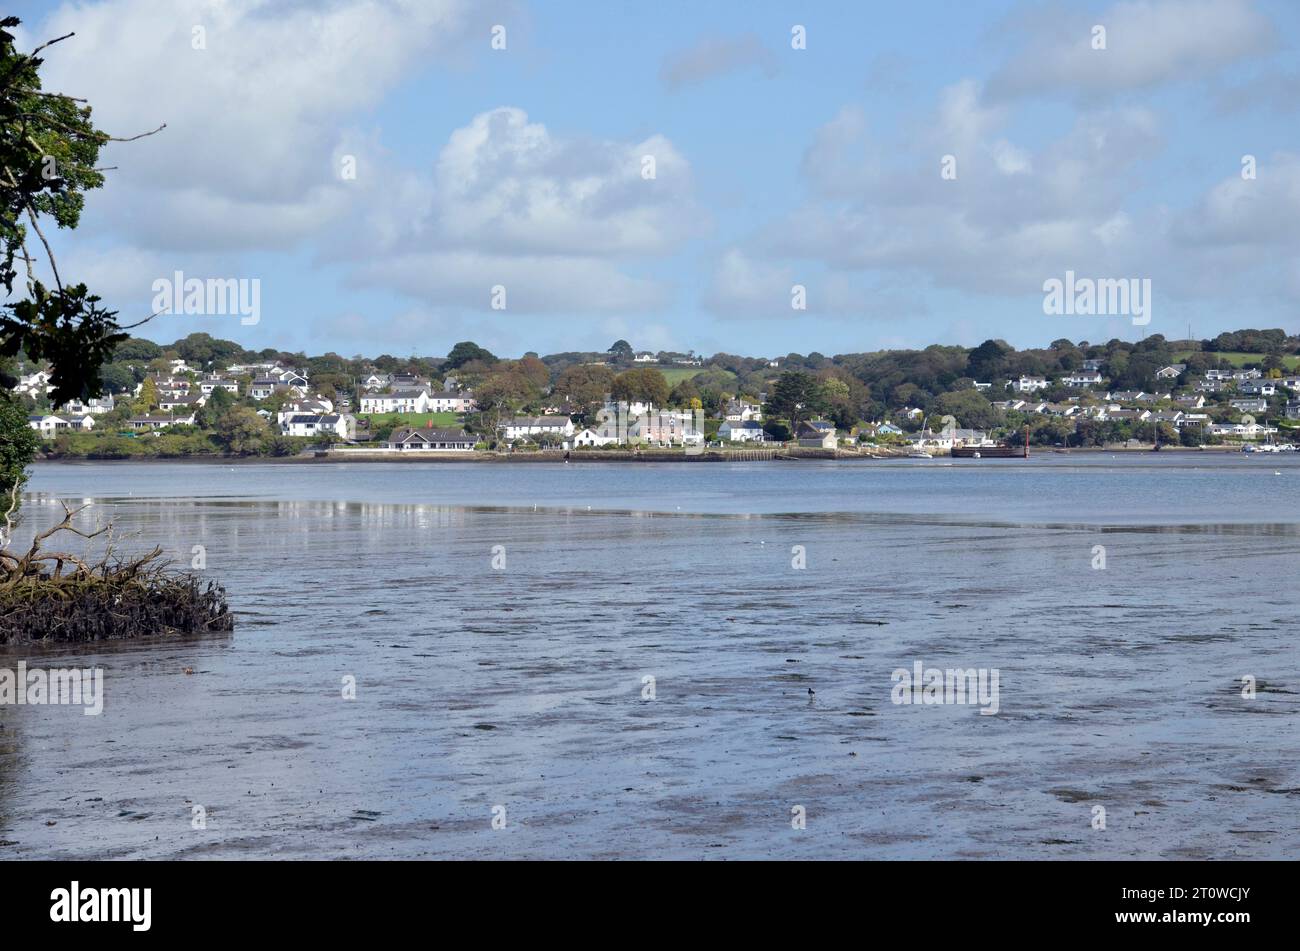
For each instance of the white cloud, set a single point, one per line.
(1259, 213)
(506, 184)
(1147, 42)
(255, 120)
(545, 216)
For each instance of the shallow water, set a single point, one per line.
(522, 687)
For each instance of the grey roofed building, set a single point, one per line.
(430, 438)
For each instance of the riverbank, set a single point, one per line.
(783, 454)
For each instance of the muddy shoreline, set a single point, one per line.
(778, 455)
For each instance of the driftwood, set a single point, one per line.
(48, 595)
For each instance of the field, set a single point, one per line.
(1238, 359)
(675, 375)
(417, 420)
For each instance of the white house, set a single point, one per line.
(207, 385)
(1125, 396)
(739, 411)
(261, 389)
(615, 408)
(750, 430)
(525, 426)
(1083, 378)
(1242, 430)
(184, 404)
(1028, 384)
(47, 424)
(310, 424)
(36, 384)
(452, 401)
(1254, 405)
(1257, 387)
(157, 421)
(94, 407)
(590, 437)
(414, 400)
(1171, 372)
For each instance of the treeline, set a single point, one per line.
(847, 388)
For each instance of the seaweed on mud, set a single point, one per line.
(59, 596)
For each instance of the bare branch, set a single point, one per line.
(141, 322)
(47, 43)
(49, 253)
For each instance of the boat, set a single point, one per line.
(1004, 451)
(919, 454)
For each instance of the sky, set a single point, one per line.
(399, 175)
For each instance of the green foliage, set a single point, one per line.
(69, 329)
(18, 443)
(48, 149)
(465, 352)
(198, 349)
(584, 386)
(644, 384)
(242, 431)
(48, 152)
(136, 350)
(796, 397)
(969, 407)
(219, 401)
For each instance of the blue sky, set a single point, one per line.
(774, 166)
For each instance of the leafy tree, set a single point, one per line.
(198, 349)
(18, 443)
(503, 395)
(148, 399)
(684, 393)
(49, 149)
(797, 396)
(585, 386)
(534, 371)
(621, 351)
(988, 361)
(219, 402)
(116, 378)
(645, 384)
(969, 408)
(136, 350)
(242, 431)
(465, 352)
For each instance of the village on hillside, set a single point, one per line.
(204, 396)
